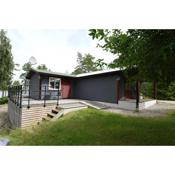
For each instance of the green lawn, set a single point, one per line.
(94, 127)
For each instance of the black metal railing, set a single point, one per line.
(25, 94)
(15, 95)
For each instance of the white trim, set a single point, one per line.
(80, 75)
(131, 105)
(56, 79)
(98, 72)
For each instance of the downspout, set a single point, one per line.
(39, 87)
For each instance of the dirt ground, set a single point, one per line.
(3, 116)
(158, 110)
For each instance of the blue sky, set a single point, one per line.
(55, 48)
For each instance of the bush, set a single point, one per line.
(3, 100)
(171, 91)
(147, 90)
(164, 91)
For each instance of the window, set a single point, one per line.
(54, 83)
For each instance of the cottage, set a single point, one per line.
(53, 94)
(105, 86)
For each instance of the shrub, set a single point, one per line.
(171, 91)
(147, 90)
(3, 100)
(164, 91)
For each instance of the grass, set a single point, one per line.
(94, 127)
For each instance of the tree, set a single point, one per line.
(26, 68)
(16, 83)
(100, 64)
(149, 52)
(42, 67)
(6, 61)
(87, 63)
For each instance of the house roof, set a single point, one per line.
(99, 72)
(73, 76)
(47, 72)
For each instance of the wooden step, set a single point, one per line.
(55, 111)
(51, 115)
(58, 108)
(59, 115)
(46, 118)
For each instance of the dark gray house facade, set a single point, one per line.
(106, 86)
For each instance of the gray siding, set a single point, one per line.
(98, 88)
(35, 86)
(50, 94)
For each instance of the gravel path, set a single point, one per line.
(157, 110)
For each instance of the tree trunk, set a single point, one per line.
(154, 90)
(137, 95)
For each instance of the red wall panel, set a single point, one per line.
(66, 88)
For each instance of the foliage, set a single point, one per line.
(87, 63)
(150, 52)
(147, 89)
(42, 67)
(94, 127)
(3, 100)
(26, 68)
(6, 61)
(100, 64)
(164, 91)
(16, 83)
(171, 91)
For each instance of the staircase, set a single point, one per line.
(55, 113)
(62, 109)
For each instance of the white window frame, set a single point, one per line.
(55, 79)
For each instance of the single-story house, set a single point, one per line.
(30, 103)
(105, 86)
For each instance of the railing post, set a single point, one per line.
(17, 95)
(13, 94)
(20, 102)
(45, 97)
(58, 97)
(29, 99)
(137, 95)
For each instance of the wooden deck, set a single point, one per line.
(48, 102)
(28, 117)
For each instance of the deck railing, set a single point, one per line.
(19, 94)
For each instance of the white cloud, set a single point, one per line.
(55, 48)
